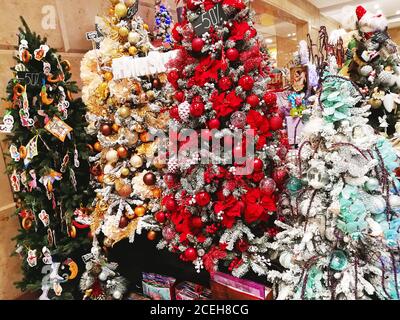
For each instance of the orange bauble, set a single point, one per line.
(140, 211)
(122, 152)
(125, 191)
(97, 146)
(144, 137)
(157, 193)
(115, 127)
(100, 178)
(108, 76)
(151, 235)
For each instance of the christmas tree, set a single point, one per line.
(215, 210)
(341, 231)
(373, 62)
(126, 106)
(163, 25)
(48, 167)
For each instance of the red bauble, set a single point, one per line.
(191, 5)
(253, 100)
(225, 83)
(169, 180)
(123, 222)
(246, 82)
(214, 124)
(197, 109)
(203, 198)
(170, 204)
(191, 254)
(197, 44)
(270, 99)
(276, 123)
(242, 245)
(160, 217)
(179, 96)
(258, 164)
(196, 222)
(174, 113)
(232, 54)
(279, 176)
(173, 77)
(105, 129)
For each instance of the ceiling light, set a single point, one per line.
(376, 6)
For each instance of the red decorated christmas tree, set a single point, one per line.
(225, 170)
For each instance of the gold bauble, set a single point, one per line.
(133, 51)
(131, 137)
(124, 112)
(136, 161)
(125, 191)
(108, 242)
(151, 235)
(159, 163)
(120, 10)
(145, 26)
(140, 211)
(115, 128)
(133, 37)
(125, 172)
(119, 184)
(108, 76)
(375, 103)
(123, 32)
(150, 95)
(97, 146)
(109, 179)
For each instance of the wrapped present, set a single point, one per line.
(294, 128)
(158, 287)
(191, 291)
(137, 296)
(227, 287)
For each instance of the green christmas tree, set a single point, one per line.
(48, 168)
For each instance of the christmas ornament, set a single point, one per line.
(214, 124)
(279, 176)
(196, 222)
(267, 186)
(124, 112)
(151, 235)
(105, 129)
(140, 211)
(123, 222)
(179, 96)
(120, 10)
(246, 82)
(225, 83)
(150, 179)
(97, 146)
(270, 99)
(203, 198)
(122, 152)
(197, 44)
(197, 109)
(338, 260)
(112, 156)
(232, 54)
(125, 191)
(258, 165)
(160, 217)
(276, 123)
(133, 37)
(238, 119)
(191, 254)
(136, 161)
(253, 100)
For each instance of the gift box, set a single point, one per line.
(294, 129)
(191, 291)
(227, 287)
(158, 287)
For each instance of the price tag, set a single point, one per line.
(31, 78)
(214, 17)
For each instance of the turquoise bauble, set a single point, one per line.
(294, 184)
(339, 260)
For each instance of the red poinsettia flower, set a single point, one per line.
(237, 4)
(251, 58)
(181, 220)
(176, 35)
(260, 125)
(257, 205)
(225, 104)
(207, 70)
(239, 29)
(211, 258)
(231, 207)
(209, 4)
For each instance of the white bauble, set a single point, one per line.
(366, 70)
(286, 259)
(103, 276)
(112, 156)
(133, 37)
(375, 204)
(372, 184)
(388, 102)
(136, 161)
(117, 295)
